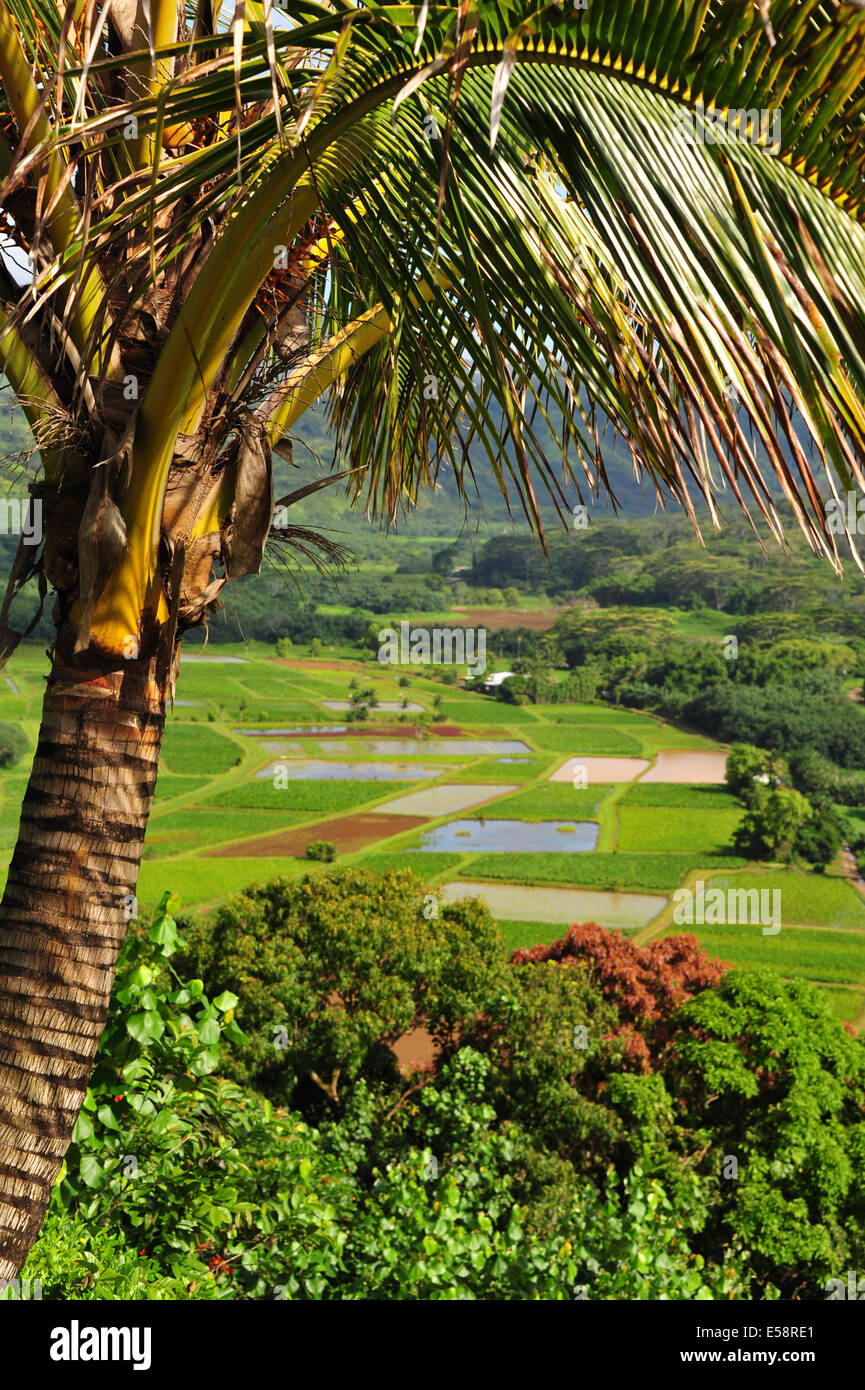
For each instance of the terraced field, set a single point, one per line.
(258, 763)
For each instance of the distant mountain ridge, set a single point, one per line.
(440, 513)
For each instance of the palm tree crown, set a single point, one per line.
(453, 221)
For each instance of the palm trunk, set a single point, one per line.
(64, 915)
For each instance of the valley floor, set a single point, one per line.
(553, 814)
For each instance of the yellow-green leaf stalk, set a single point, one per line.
(29, 111)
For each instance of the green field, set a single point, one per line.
(848, 1004)
(599, 740)
(494, 770)
(324, 798)
(197, 750)
(13, 787)
(807, 899)
(676, 830)
(596, 714)
(832, 957)
(426, 866)
(482, 709)
(208, 881)
(194, 825)
(650, 873)
(679, 794)
(169, 784)
(517, 934)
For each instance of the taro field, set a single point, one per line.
(552, 814)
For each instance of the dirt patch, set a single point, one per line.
(416, 1051)
(498, 620)
(690, 766)
(348, 833)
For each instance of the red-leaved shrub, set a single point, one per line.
(646, 983)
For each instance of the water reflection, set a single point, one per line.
(514, 836)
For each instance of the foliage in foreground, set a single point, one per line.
(573, 1136)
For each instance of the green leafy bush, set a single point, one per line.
(323, 850)
(762, 1072)
(331, 970)
(13, 744)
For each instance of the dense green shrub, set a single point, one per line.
(745, 765)
(788, 717)
(13, 744)
(331, 970)
(811, 773)
(820, 838)
(760, 1071)
(323, 850)
(772, 824)
(780, 822)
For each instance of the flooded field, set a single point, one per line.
(683, 765)
(381, 707)
(404, 747)
(441, 801)
(513, 836)
(317, 770)
(446, 747)
(297, 731)
(616, 911)
(601, 769)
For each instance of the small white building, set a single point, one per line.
(495, 680)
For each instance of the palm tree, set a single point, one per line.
(450, 222)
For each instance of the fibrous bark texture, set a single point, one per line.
(64, 915)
